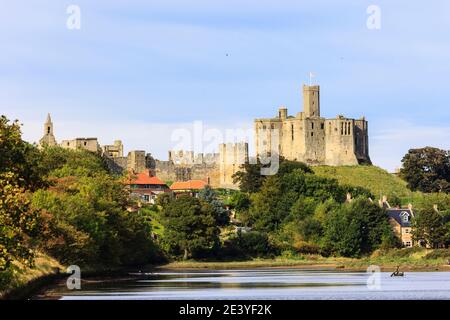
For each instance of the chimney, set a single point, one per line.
(349, 197)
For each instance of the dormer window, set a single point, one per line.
(405, 216)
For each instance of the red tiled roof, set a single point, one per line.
(144, 178)
(188, 185)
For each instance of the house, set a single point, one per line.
(190, 187)
(146, 187)
(400, 220)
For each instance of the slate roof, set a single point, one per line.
(397, 215)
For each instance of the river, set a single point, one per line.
(261, 284)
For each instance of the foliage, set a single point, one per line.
(208, 195)
(251, 180)
(190, 227)
(356, 228)
(247, 244)
(430, 228)
(427, 169)
(84, 221)
(17, 222)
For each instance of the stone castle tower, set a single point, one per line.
(313, 139)
(48, 139)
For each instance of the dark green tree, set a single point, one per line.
(356, 228)
(430, 228)
(427, 169)
(190, 227)
(208, 195)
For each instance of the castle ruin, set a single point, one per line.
(306, 137)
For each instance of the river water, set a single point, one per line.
(261, 284)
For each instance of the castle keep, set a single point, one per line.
(313, 139)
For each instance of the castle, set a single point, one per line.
(312, 139)
(307, 137)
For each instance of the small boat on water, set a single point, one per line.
(397, 273)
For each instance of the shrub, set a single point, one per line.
(438, 254)
(251, 244)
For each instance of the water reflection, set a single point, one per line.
(261, 284)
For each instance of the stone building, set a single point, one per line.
(400, 221)
(232, 157)
(216, 169)
(313, 139)
(113, 150)
(48, 139)
(89, 144)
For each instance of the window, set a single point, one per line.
(272, 126)
(312, 134)
(322, 126)
(48, 129)
(406, 230)
(264, 127)
(312, 125)
(408, 244)
(85, 143)
(292, 132)
(405, 216)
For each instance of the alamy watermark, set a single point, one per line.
(374, 19)
(73, 21)
(206, 140)
(374, 279)
(74, 280)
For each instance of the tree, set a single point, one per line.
(210, 196)
(190, 227)
(249, 177)
(430, 228)
(427, 169)
(251, 180)
(18, 156)
(17, 223)
(356, 228)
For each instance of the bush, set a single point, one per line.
(403, 253)
(249, 244)
(306, 247)
(438, 254)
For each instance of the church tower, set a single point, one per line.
(311, 101)
(48, 138)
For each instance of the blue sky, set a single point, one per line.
(138, 70)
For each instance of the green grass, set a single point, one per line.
(378, 181)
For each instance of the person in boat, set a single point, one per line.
(397, 273)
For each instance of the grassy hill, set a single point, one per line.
(377, 180)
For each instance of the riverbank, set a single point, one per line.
(417, 261)
(25, 280)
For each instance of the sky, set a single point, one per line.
(145, 72)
